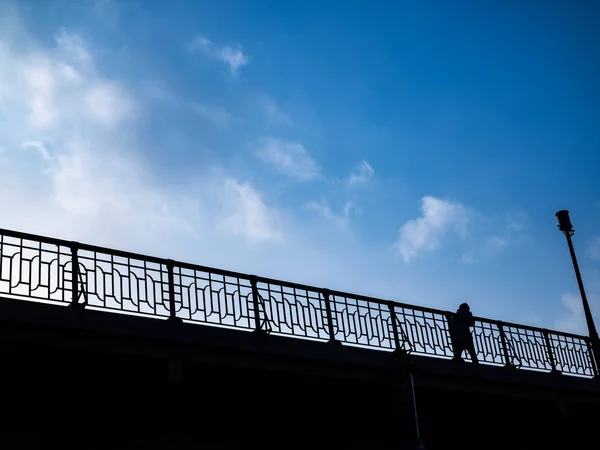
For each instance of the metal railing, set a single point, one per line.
(69, 273)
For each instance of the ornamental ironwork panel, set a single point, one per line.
(572, 354)
(362, 322)
(212, 298)
(121, 283)
(35, 269)
(292, 311)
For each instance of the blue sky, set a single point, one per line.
(416, 152)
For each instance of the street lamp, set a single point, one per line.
(565, 225)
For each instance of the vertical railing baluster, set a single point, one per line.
(171, 282)
(330, 329)
(504, 344)
(397, 344)
(255, 302)
(550, 352)
(74, 273)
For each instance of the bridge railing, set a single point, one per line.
(69, 273)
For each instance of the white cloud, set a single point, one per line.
(490, 236)
(290, 158)
(574, 319)
(247, 215)
(233, 57)
(364, 174)
(594, 248)
(89, 184)
(94, 184)
(425, 233)
(340, 220)
(108, 103)
(72, 47)
(39, 147)
(56, 88)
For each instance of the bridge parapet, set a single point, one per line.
(43, 269)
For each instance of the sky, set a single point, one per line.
(411, 151)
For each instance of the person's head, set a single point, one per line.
(464, 307)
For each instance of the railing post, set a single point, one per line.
(394, 327)
(550, 353)
(330, 329)
(595, 364)
(171, 281)
(449, 321)
(255, 303)
(504, 344)
(74, 274)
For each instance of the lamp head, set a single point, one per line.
(564, 222)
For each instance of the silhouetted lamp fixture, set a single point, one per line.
(565, 225)
(564, 222)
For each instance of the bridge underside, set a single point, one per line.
(81, 381)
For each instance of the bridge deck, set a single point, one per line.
(69, 273)
(118, 381)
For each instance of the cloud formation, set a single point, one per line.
(39, 147)
(364, 174)
(289, 158)
(97, 182)
(73, 168)
(495, 235)
(425, 233)
(340, 220)
(573, 321)
(234, 57)
(247, 215)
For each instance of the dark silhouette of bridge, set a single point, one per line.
(103, 348)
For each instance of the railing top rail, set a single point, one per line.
(260, 279)
(530, 328)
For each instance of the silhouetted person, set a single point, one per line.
(460, 331)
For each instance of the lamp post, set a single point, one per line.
(564, 225)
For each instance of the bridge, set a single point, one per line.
(103, 348)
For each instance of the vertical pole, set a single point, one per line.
(255, 302)
(414, 401)
(330, 329)
(171, 281)
(550, 353)
(586, 306)
(394, 327)
(507, 361)
(74, 274)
